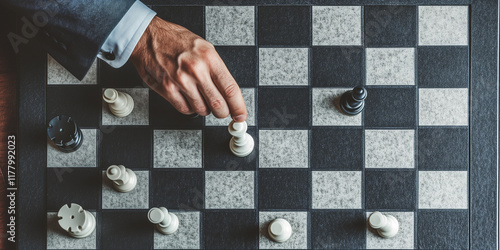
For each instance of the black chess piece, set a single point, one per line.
(353, 102)
(62, 130)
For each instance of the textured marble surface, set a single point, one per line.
(336, 25)
(441, 107)
(403, 240)
(230, 25)
(389, 148)
(186, 237)
(57, 74)
(326, 108)
(442, 190)
(229, 190)
(283, 66)
(283, 148)
(140, 113)
(390, 66)
(336, 189)
(138, 198)
(85, 156)
(443, 25)
(57, 238)
(298, 221)
(177, 149)
(249, 97)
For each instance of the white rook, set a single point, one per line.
(76, 221)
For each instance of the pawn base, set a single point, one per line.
(171, 228)
(346, 108)
(130, 185)
(128, 107)
(242, 151)
(393, 230)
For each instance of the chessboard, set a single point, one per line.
(424, 149)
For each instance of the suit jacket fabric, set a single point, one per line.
(72, 31)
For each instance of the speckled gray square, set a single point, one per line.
(249, 97)
(442, 189)
(336, 189)
(57, 74)
(229, 190)
(326, 109)
(441, 107)
(140, 113)
(138, 198)
(390, 66)
(404, 239)
(298, 221)
(186, 237)
(283, 66)
(177, 149)
(85, 156)
(57, 238)
(336, 25)
(443, 25)
(389, 148)
(230, 25)
(283, 149)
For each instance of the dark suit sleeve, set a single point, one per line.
(72, 31)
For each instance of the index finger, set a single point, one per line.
(230, 91)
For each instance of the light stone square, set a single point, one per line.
(58, 75)
(336, 25)
(57, 238)
(390, 66)
(84, 157)
(283, 66)
(389, 148)
(138, 198)
(249, 97)
(443, 107)
(186, 237)
(230, 25)
(177, 149)
(229, 190)
(336, 189)
(443, 25)
(298, 221)
(140, 113)
(442, 190)
(326, 108)
(283, 149)
(404, 239)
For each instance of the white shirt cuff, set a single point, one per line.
(122, 40)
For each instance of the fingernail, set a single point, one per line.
(239, 118)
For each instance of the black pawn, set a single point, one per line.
(62, 130)
(353, 102)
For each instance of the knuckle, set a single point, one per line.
(217, 104)
(231, 91)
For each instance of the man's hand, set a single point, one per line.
(187, 71)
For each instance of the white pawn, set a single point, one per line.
(280, 230)
(77, 222)
(386, 226)
(167, 223)
(242, 143)
(124, 179)
(120, 104)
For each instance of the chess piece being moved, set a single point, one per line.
(124, 180)
(120, 104)
(167, 223)
(353, 102)
(77, 222)
(279, 230)
(387, 226)
(242, 143)
(62, 130)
